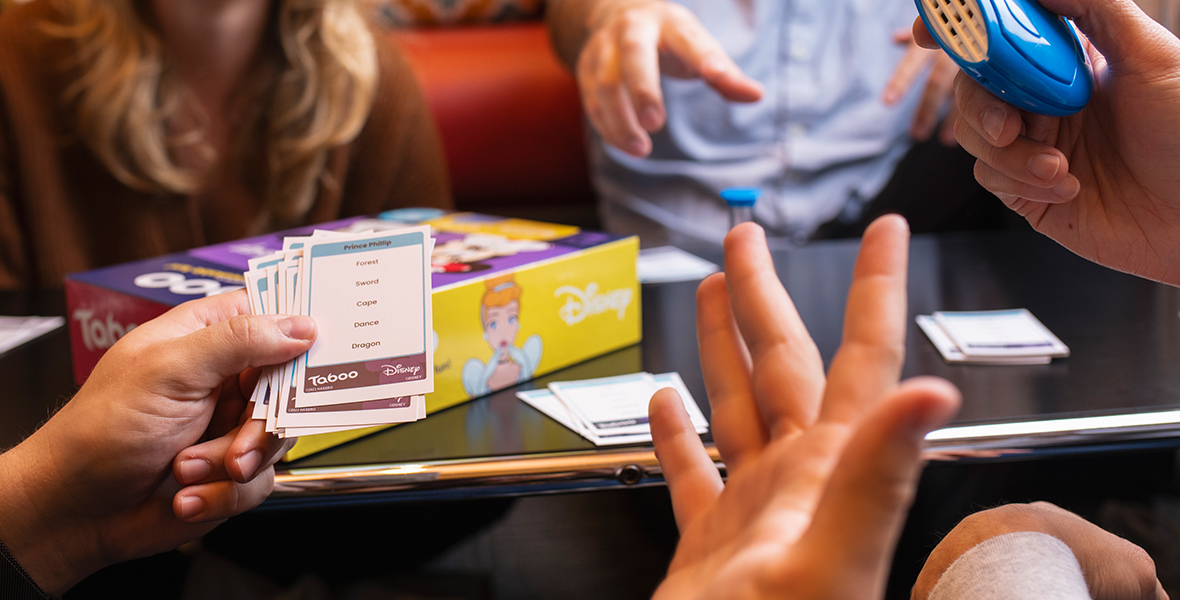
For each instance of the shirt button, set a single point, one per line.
(800, 51)
(796, 130)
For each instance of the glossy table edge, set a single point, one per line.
(578, 471)
(534, 473)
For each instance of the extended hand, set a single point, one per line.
(1102, 182)
(820, 472)
(630, 45)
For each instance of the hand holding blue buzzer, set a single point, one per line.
(1018, 50)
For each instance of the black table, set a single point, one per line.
(1124, 334)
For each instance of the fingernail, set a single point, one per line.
(650, 118)
(636, 146)
(1044, 166)
(193, 470)
(993, 122)
(248, 463)
(299, 327)
(191, 506)
(1068, 188)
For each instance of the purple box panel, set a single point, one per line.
(169, 280)
(174, 278)
(236, 254)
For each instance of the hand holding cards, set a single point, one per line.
(373, 360)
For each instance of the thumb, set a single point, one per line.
(210, 355)
(864, 505)
(1120, 30)
(922, 36)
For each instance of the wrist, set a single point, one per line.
(571, 22)
(41, 534)
(15, 580)
(603, 11)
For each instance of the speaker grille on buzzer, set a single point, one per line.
(959, 24)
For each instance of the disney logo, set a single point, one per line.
(391, 370)
(580, 304)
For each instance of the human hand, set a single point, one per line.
(1102, 182)
(1113, 567)
(936, 96)
(629, 46)
(154, 450)
(820, 472)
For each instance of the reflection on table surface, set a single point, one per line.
(1124, 334)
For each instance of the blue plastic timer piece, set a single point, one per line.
(741, 196)
(1018, 50)
(741, 203)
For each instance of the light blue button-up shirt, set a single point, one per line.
(820, 143)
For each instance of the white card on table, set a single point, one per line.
(15, 331)
(552, 406)
(546, 402)
(669, 263)
(610, 404)
(951, 353)
(1000, 333)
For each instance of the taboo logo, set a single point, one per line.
(580, 304)
(331, 378)
(97, 333)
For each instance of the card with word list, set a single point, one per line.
(371, 298)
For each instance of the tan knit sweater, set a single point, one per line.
(61, 211)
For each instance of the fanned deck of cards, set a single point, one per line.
(610, 410)
(1008, 337)
(372, 362)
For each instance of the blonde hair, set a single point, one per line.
(501, 291)
(321, 83)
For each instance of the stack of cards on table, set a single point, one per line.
(372, 362)
(611, 410)
(667, 264)
(1008, 337)
(15, 331)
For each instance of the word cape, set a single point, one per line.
(373, 360)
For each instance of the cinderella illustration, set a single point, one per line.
(509, 364)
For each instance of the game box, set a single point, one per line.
(513, 299)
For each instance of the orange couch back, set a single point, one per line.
(509, 116)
